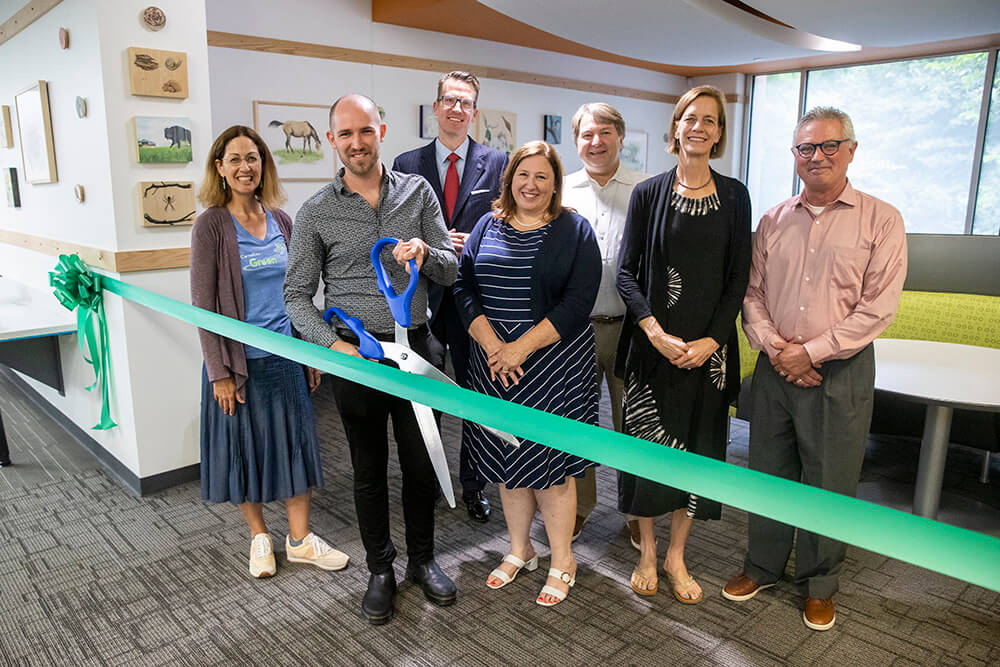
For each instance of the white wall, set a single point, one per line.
(155, 362)
(162, 355)
(239, 77)
(51, 209)
(729, 163)
(185, 31)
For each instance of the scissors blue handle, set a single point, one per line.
(368, 345)
(399, 304)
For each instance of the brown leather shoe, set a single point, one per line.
(578, 526)
(741, 587)
(634, 536)
(819, 614)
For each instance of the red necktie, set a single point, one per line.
(451, 185)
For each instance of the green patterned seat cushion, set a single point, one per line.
(970, 319)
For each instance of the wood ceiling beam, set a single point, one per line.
(468, 18)
(24, 17)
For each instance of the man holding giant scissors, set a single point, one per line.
(333, 234)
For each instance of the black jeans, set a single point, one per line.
(365, 414)
(448, 330)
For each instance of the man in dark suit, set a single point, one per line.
(465, 176)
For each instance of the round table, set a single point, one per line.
(943, 376)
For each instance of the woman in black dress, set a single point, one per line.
(685, 263)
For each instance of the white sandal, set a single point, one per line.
(505, 578)
(552, 590)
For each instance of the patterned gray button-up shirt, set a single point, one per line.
(332, 237)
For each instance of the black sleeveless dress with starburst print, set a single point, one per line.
(686, 262)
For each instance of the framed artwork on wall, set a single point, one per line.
(553, 129)
(633, 153)
(6, 131)
(497, 129)
(34, 126)
(166, 203)
(158, 73)
(159, 139)
(428, 122)
(10, 185)
(296, 136)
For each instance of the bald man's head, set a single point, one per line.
(356, 131)
(359, 101)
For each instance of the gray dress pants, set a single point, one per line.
(813, 435)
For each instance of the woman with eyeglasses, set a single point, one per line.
(685, 264)
(258, 434)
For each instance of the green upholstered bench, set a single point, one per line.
(970, 319)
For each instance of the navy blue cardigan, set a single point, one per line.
(564, 278)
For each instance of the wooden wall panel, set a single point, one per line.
(125, 261)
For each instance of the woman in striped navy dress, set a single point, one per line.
(527, 282)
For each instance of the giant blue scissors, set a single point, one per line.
(409, 361)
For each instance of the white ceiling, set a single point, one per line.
(689, 32)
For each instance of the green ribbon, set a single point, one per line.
(77, 288)
(957, 552)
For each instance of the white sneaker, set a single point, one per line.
(262, 556)
(315, 551)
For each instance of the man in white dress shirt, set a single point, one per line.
(600, 192)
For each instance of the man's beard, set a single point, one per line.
(362, 169)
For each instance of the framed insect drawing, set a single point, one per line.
(167, 203)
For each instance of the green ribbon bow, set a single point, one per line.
(77, 288)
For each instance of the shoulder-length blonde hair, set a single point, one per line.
(213, 192)
(504, 206)
(674, 146)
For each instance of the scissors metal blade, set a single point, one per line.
(435, 450)
(411, 362)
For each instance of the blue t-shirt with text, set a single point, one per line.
(262, 265)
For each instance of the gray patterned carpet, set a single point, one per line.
(90, 575)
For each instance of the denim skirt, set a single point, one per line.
(268, 450)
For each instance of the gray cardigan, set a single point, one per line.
(217, 285)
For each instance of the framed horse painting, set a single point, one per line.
(296, 136)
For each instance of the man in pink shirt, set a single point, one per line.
(827, 272)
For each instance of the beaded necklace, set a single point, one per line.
(691, 206)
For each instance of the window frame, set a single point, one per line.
(979, 149)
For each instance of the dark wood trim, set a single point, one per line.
(230, 40)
